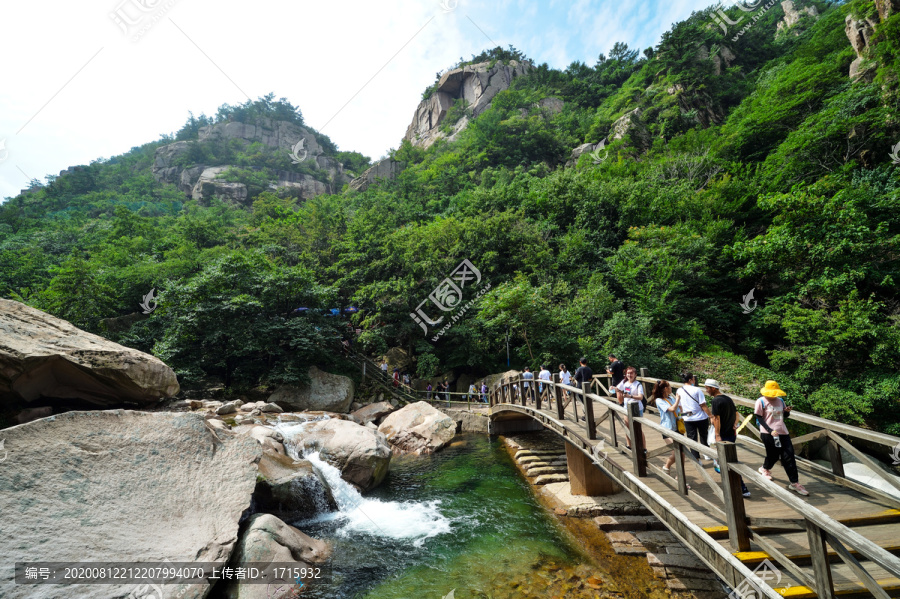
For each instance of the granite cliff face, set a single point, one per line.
(477, 84)
(202, 181)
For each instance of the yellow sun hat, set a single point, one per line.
(772, 389)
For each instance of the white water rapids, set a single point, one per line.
(356, 514)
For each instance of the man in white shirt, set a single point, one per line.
(694, 411)
(527, 376)
(630, 391)
(544, 375)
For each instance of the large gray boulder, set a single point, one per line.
(269, 540)
(291, 489)
(361, 454)
(120, 486)
(325, 392)
(42, 356)
(374, 412)
(418, 428)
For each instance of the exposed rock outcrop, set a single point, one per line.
(631, 128)
(42, 356)
(792, 16)
(418, 428)
(199, 181)
(383, 169)
(477, 84)
(326, 392)
(361, 454)
(121, 486)
(269, 540)
(860, 33)
(291, 489)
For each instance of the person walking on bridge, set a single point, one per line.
(724, 419)
(669, 408)
(770, 413)
(484, 391)
(527, 376)
(694, 411)
(565, 377)
(617, 371)
(543, 375)
(631, 391)
(584, 374)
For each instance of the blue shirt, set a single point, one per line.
(528, 376)
(667, 419)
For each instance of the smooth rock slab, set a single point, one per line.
(418, 428)
(325, 391)
(42, 356)
(120, 486)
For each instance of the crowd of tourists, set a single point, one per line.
(703, 414)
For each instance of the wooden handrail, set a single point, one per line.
(821, 528)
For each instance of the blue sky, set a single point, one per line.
(92, 79)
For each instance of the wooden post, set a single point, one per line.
(736, 515)
(614, 440)
(638, 457)
(559, 403)
(818, 551)
(589, 412)
(643, 373)
(537, 403)
(585, 478)
(834, 454)
(679, 468)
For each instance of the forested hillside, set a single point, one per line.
(748, 159)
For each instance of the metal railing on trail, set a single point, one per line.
(572, 412)
(405, 394)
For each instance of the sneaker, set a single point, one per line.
(798, 488)
(665, 469)
(764, 472)
(744, 490)
(717, 469)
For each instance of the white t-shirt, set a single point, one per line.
(692, 400)
(636, 388)
(544, 375)
(565, 378)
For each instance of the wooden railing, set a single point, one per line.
(406, 394)
(724, 497)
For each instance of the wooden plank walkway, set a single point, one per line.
(779, 532)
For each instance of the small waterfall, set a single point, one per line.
(357, 514)
(395, 519)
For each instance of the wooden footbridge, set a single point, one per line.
(841, 540)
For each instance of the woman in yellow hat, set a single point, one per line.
(771, 412)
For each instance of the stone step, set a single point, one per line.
(546, 470)
(534, 452)
(668, 560)
(544, 479)
(625, 543)
(622, 523)
(530, 459)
